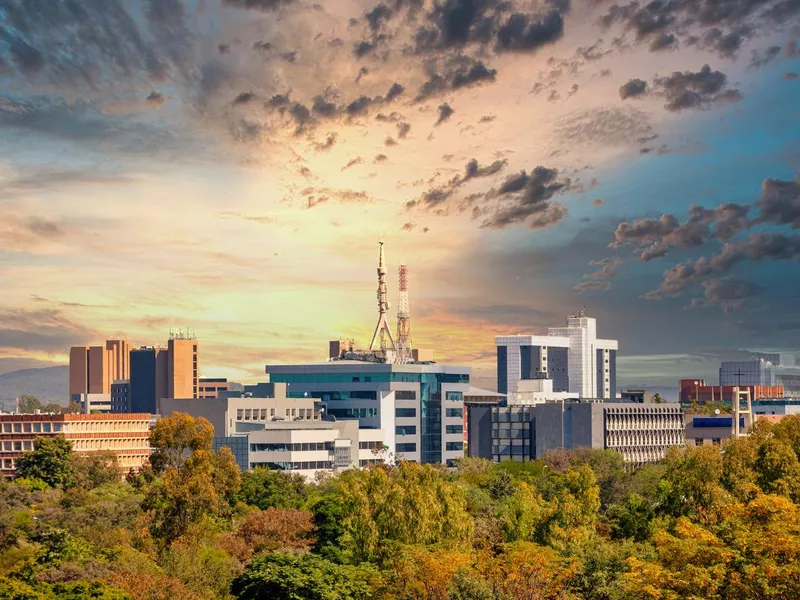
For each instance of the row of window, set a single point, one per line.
(405, 430)
(32, 427)
(454, 446)
(370, 445)
(366, 462)
(454, 412)
(405, 395)
(18, 446)
(409, 447)
(260, 414)
(303, 447)
(454, 429)
(353, 413)
(294, 466)
(405, 413)
(715, 441)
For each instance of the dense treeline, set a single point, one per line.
(708, 522)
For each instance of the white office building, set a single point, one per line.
(281, 433)
(579, 364)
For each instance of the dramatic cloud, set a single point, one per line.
(730, 293)
(780, 202)
(687, 89)
(472, 170)
(607, 268)
(445, 112)
(526, 198)
(592, 286)
(155, 98)
(633, 89)
(458, 72)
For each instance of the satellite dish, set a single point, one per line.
(716, 411)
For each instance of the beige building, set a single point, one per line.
(182, 379)
(92, 369)
(126, 435)
(211, 387)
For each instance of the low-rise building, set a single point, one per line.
(210, 387)
(698, 391)
(641, 433)
(126, 435)
(94, 403)
(281, 433)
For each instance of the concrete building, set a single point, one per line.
(182, 365)
(776, 406)
(281, 433)
(126, 435)
(92, 369)
(211, 387)
(573, 357)
(419, 407)
(641, 433)
(760, 372)
(95, 403)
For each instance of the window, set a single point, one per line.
(716, 441)
(46, 427)
(37, 428)
(698, 441)
(240, 414)
(7, 446)
(26, 427)
(18, 446)
(27, 446)
(405, 395)
(454, 446)
(406, 447)
(454, 412)
(405, 430)
(17, 427)
(454, 396)
(405, 413)
(370, 445)
(454, 429)
(6, 427)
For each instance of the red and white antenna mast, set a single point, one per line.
(403, 315)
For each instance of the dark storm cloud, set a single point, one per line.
(717, 25)
(654, 236)
(526, 198)
(155, 98)
(729, 293)
(687, 89)
(779, 202)
(244, 98)
(633, 89)
(262, 5)
(377, 16)
(322, 107)
(445, 112)
(394, 92)
(457, 72)
(362, 48)
(664, 41)
(688, 274)
(359, 106)
(472, 170)
(523, 32)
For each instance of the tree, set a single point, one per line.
(657, 398)
(28, 404)
(273, 489)
(285, 529)
(93, 470)
(204, 486)
(428, 574)
(280, 576)
(49, 461)
(175, 437)
(633, 520)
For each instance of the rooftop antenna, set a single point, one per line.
(383, 334)
(403, 314)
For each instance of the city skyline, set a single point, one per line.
(230, 166)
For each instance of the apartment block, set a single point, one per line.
(126, 435)
(182, 367)
(211, 387)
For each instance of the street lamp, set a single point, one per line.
(697, 391)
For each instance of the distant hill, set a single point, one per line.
(50, 384)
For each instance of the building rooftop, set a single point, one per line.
(476, 391)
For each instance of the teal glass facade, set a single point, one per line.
(345, 385)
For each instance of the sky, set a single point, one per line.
(227, 167)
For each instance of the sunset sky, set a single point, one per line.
(228, 166)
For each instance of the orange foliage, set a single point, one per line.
(148, 586)
(427, 574)
(285, 529)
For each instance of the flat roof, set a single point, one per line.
(476, 391)
(350, 366)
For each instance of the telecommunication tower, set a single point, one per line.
(383, 334)
(403, 315)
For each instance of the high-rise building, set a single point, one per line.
(148, 379)
(573, 357)
(93, 369)
(182, 379)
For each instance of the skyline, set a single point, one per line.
(229, 166)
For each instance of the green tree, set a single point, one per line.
(273, 489)
(280, 576)
(28, 404)
(633, 520)
(93, 470)
(777, 467)
(329, 515)
(49, 461)
(175, 437)
(657, 398)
